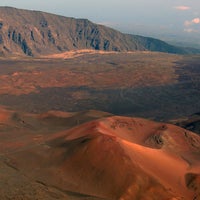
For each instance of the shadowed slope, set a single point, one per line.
(191, 122)
(139, 153)
(34, 33)
(114, 158)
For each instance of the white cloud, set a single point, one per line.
(190, 30)
(196, 20)
(192, 26)
(188, 23)
(192, 22)
(182, 8)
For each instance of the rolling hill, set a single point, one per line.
(94, 155)
(55, 73)
(34, 33)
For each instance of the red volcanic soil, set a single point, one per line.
(160, 154)
(88, 68)
(5, 115)
(107, 158)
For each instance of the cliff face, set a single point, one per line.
(36, 33)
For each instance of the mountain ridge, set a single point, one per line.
(34, 33)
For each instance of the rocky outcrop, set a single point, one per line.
(36, 33)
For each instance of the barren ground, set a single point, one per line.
(151, 85)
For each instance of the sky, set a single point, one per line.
(132, 16)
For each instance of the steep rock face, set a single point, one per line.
(37, 33)
(34, 33)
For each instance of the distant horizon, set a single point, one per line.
(176, 21)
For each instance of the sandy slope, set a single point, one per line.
(109, 158)
(165, 153)
(78, 53)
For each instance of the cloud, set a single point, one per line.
(192, 26)
(190, 30)
(182, 8)
(196, 20)
(192, 22)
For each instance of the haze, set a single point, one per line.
(172, 14)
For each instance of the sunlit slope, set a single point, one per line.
(108, 158)
(35, 33)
